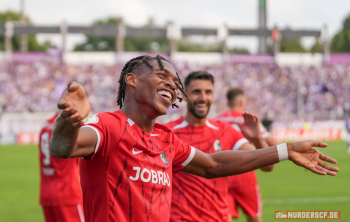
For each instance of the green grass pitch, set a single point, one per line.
(287, 188)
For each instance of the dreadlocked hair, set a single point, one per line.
(132, 66)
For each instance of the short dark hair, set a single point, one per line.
(232, 95)
(198, 75)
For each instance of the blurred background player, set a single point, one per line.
(244, 189)
(267, 120)
(195, 198)
(60, 192)
(347, 123)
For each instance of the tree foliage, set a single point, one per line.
(142, 44)
(291, 45)
(33, 44)
(188, 46)
(317, 47)
(341, 41)
(240, 50)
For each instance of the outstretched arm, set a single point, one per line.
(227, 163)
(248, 146)
(68, 139)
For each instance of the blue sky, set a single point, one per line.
(210, 13)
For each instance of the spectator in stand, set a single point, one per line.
(33, 87)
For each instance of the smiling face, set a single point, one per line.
(156, 88)
(200, 96)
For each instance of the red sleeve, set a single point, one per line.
(237, 138)
(183, 154)
(107, 135)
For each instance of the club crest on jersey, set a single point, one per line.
(217, 145)
(165, 160)
(91, 119)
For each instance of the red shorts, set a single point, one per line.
(248, 198)
(66, 213)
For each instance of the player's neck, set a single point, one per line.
(237, 109)
(194, 121)
(142, 117)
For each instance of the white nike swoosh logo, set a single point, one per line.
(136, 152)
(155, 134)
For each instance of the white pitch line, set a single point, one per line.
(307, 200)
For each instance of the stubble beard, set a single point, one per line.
(192, 109)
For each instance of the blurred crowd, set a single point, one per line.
(279, 93)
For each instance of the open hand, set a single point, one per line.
(305, 155)
(75, 104)
(251, 126)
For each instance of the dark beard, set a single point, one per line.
(191, 109)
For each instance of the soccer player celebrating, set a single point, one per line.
(244, 189)
(60, 192)
(129, 159)
(195, 198)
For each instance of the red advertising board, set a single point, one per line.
(26, 138)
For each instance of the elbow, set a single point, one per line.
(268, 168)
(213, 172)
(58, 154)
(210, 176)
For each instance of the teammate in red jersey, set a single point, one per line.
(60, 193)
(244, 190)
(195, 198)
(126, 175)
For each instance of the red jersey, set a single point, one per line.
(196, 198)
(129, 176)
(249, 178)
(59, 183)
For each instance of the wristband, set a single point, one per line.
(282, 151)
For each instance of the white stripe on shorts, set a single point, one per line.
(81, 215)
(259, 200)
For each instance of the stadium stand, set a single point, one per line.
(36, 87)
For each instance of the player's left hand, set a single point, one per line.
(305, 154)
(251, 127)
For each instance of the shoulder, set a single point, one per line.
(105, 117)
(162, 131)
(225, 127)
(217, 124)
(231, 117)
(162, 128)
(175, 123)
(224, 116)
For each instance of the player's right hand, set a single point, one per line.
(75, 104)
